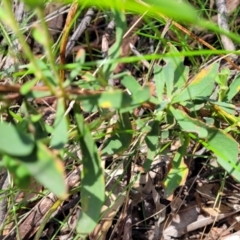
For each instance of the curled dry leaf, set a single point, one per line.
(234, 221)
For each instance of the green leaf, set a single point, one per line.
(167, 73)
(226, 150)
(121, 137)
(116, 99)
(189, 124)
(15, 141)
(20, 174)
(223, 77)
(27, 86)
(93, 187)
(227, 107)
(180, 70)
(105, 115)
(108, 99)
(131, 84)
(47, 168)
(194, 106)
(233, 89)
(140, 96)
(34, 3)
(60, 134)
(39, 35)
(16, 116)
(178, 172)
(35, 122)
(80, 59)
(178, 10)
(46, 71)
(159, 80)
(173, 74)
(152, 141)
(216, 140)
(38, 94)
(201, 86)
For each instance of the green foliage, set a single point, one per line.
(47, 168)
(114, 99)
(121, 137)
(152, 141)
(175, 10)
(178, 171)
(30, 147)
(171, 83)
(19, 172)
(16, 142)
(201, 86)
(60, 127)
(93, 187)
(34, 3)
(233, 89)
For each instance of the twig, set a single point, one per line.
(106, 37)
(223, 23)
(135, 51)
(3, 199)
(129, 37)
(79, 31)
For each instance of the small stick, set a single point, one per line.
(223, 23)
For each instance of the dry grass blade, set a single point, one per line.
(71, 14)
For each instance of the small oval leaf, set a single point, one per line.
(201, 86)
(15, 142)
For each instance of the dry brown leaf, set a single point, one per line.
(234, 236)
(208, 190)
(216, 233)
(234, 222)
(180, 221)
(214, 212)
